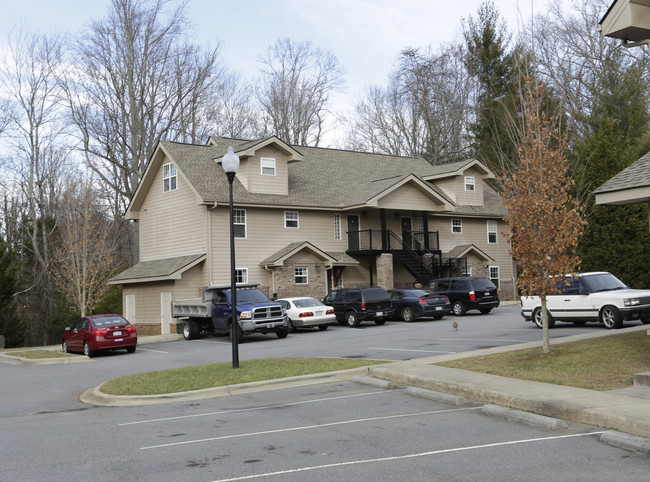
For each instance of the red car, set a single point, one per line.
(98, 333)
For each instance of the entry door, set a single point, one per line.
(165, 312)
(353, 232)
(407, 232)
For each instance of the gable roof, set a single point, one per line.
(158, 269)
(631, 185)
(465, 249)
(332, 259)
(323, 179)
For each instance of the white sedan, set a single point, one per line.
(307, 312)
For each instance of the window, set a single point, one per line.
(300, 276)
(291, 219)
(268, 166)
(239, 222)
(470, 183)
(456, 226)
(492, 231)
(337, 227)
(494, 275)
(241, 275)
(169, 177)
(466, 270)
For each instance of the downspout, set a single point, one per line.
(209, 241)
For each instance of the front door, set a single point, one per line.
(407, 232)
(353, 232)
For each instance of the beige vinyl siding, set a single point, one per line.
(171, 223)
(408, 197)
(147, 299)
(470, 198)
(252, 178)
(448, 185)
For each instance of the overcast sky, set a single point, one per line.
(365, 35)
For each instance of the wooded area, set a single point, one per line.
(80, 115)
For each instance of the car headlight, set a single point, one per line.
(631, 301)
(246, 315)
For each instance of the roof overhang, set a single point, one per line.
(463, 251)
(158, 270)
(628, 20)
(432, 200)
(461, 168)
(624, 196)
(278, 259)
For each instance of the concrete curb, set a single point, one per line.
(524, 417)
(625, 441)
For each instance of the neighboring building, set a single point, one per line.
(306, 220)
(630, 186)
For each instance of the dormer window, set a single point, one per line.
(169, 177)
(268, 166)
(470, 183)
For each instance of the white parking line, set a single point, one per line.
(306, 427)
(403, 457)
(406, 349)
(495, 340)
(266, 407)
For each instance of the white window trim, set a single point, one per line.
(467, 271)
(305, 275)
(297, 219)
(267, 163)
(496, 231)
(168, 168)
(337, 227)
(460, 226)
(470, 181)
(245, 224)
(498, 276)
(243, 273)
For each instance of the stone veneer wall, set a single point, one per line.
(385, 271)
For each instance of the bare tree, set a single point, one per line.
(137, 79)
(423, 110)
(297, 81)
(85, 257)
(30, 76)
(544, 219)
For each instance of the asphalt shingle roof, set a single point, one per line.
(324, 178)
(635, 175)
(159, 268)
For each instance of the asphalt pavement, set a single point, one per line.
(624, 412)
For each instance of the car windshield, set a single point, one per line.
(251, 295)
(112, 320)
(307, 302)
(603, 282)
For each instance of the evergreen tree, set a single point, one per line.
(494, 69)
(10, 326)
(616, 238)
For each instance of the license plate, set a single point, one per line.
(487, 293)
(438, 307)
(379, 313)
(119, 339)
(117, 333)
(319, 313)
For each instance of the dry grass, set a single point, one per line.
(598, 364)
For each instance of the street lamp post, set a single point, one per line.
(230, 164)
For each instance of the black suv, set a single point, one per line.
(467, 294)
(353, 305)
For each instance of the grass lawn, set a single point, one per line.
(221, 374)
(602, 364)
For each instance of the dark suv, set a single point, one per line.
(467, 294)
(354, 305)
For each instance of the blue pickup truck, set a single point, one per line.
(213, 313)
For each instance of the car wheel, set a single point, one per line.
(87, 351)
(485, 311)
(537, 318)
(611, 317)
(323, 327)
(64, 347)
(292, 327)
(282, 333)
(380, 321)
(407, 315)
(351, 318)
(458, 308)
(130, 349)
